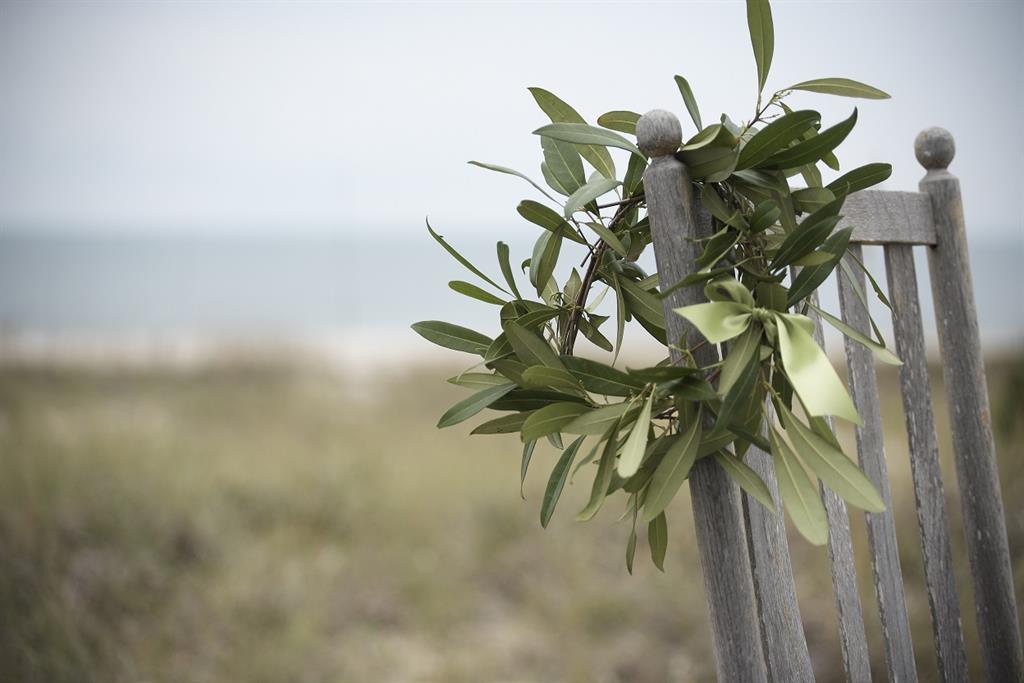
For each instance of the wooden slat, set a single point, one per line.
(970, 418)
(885, 217)
(885, 560)
(717, 512)
(924, 462)
(852, 637)
(782, 633)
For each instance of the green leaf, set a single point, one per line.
(762, 37)
(584, 134)
(506, 269)
(874, 285)
(538, 214)
(879, 351)
(474, 292)
(452, 336)
(815, 258)
(551, 418)
(587, 193)
(608, 237)
(832, 467)
(765, 215)
(710, 164)
(506, 424)
(509, 171)
(524, 465)
(536, 318)
(861, 178)
(598, 420)
(600, 378)
(605, 470)
(672, 471)
(807, 281)
(636, 443)
(623, 121)
(545, 258)
(844, 87)
(498, 349)
(736, 399)
(630, 550)
(560, 112)
(594, 335)
(812, 198)
(556, 482)
(553, 182)
(632, 184)
(642, 303)
(532, 399)
(468, 407)
(530, 348)
(808, 235)
(462, 259)
(657, 537)
(563, 161)
(690, 101)
(541, 377)
(814, 148)
(776, 136)
(476, 380)
(741, 353)
(747, 478)
(799, 494)
(620, 315)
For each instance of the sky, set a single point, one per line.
(356, 120)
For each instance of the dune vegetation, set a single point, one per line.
(276, 520)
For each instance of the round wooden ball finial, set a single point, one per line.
(659, 133)
(934, 148)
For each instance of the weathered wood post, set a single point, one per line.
(970, 418)
(718, 516)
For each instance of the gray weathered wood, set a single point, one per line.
(717, 513)
(885, 560)
(924, 462)
(881, 217)
(970, 419)
(853, 639)
(782, 633)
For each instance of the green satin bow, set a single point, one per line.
(732, 310)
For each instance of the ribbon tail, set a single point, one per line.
(810, 372)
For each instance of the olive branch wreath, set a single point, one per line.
(770, 249)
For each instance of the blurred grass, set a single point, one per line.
(274, 521)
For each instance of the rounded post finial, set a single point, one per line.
(659, 133)
(934, 148)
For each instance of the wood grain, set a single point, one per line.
(924, 462)
(718, 517)
(853, 639)
(882, 217)
(885, 560)
(970, 422)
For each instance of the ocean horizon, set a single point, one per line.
(64, 291)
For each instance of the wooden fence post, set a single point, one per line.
(718, 516)
(970, 418)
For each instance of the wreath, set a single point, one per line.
(768, 385)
